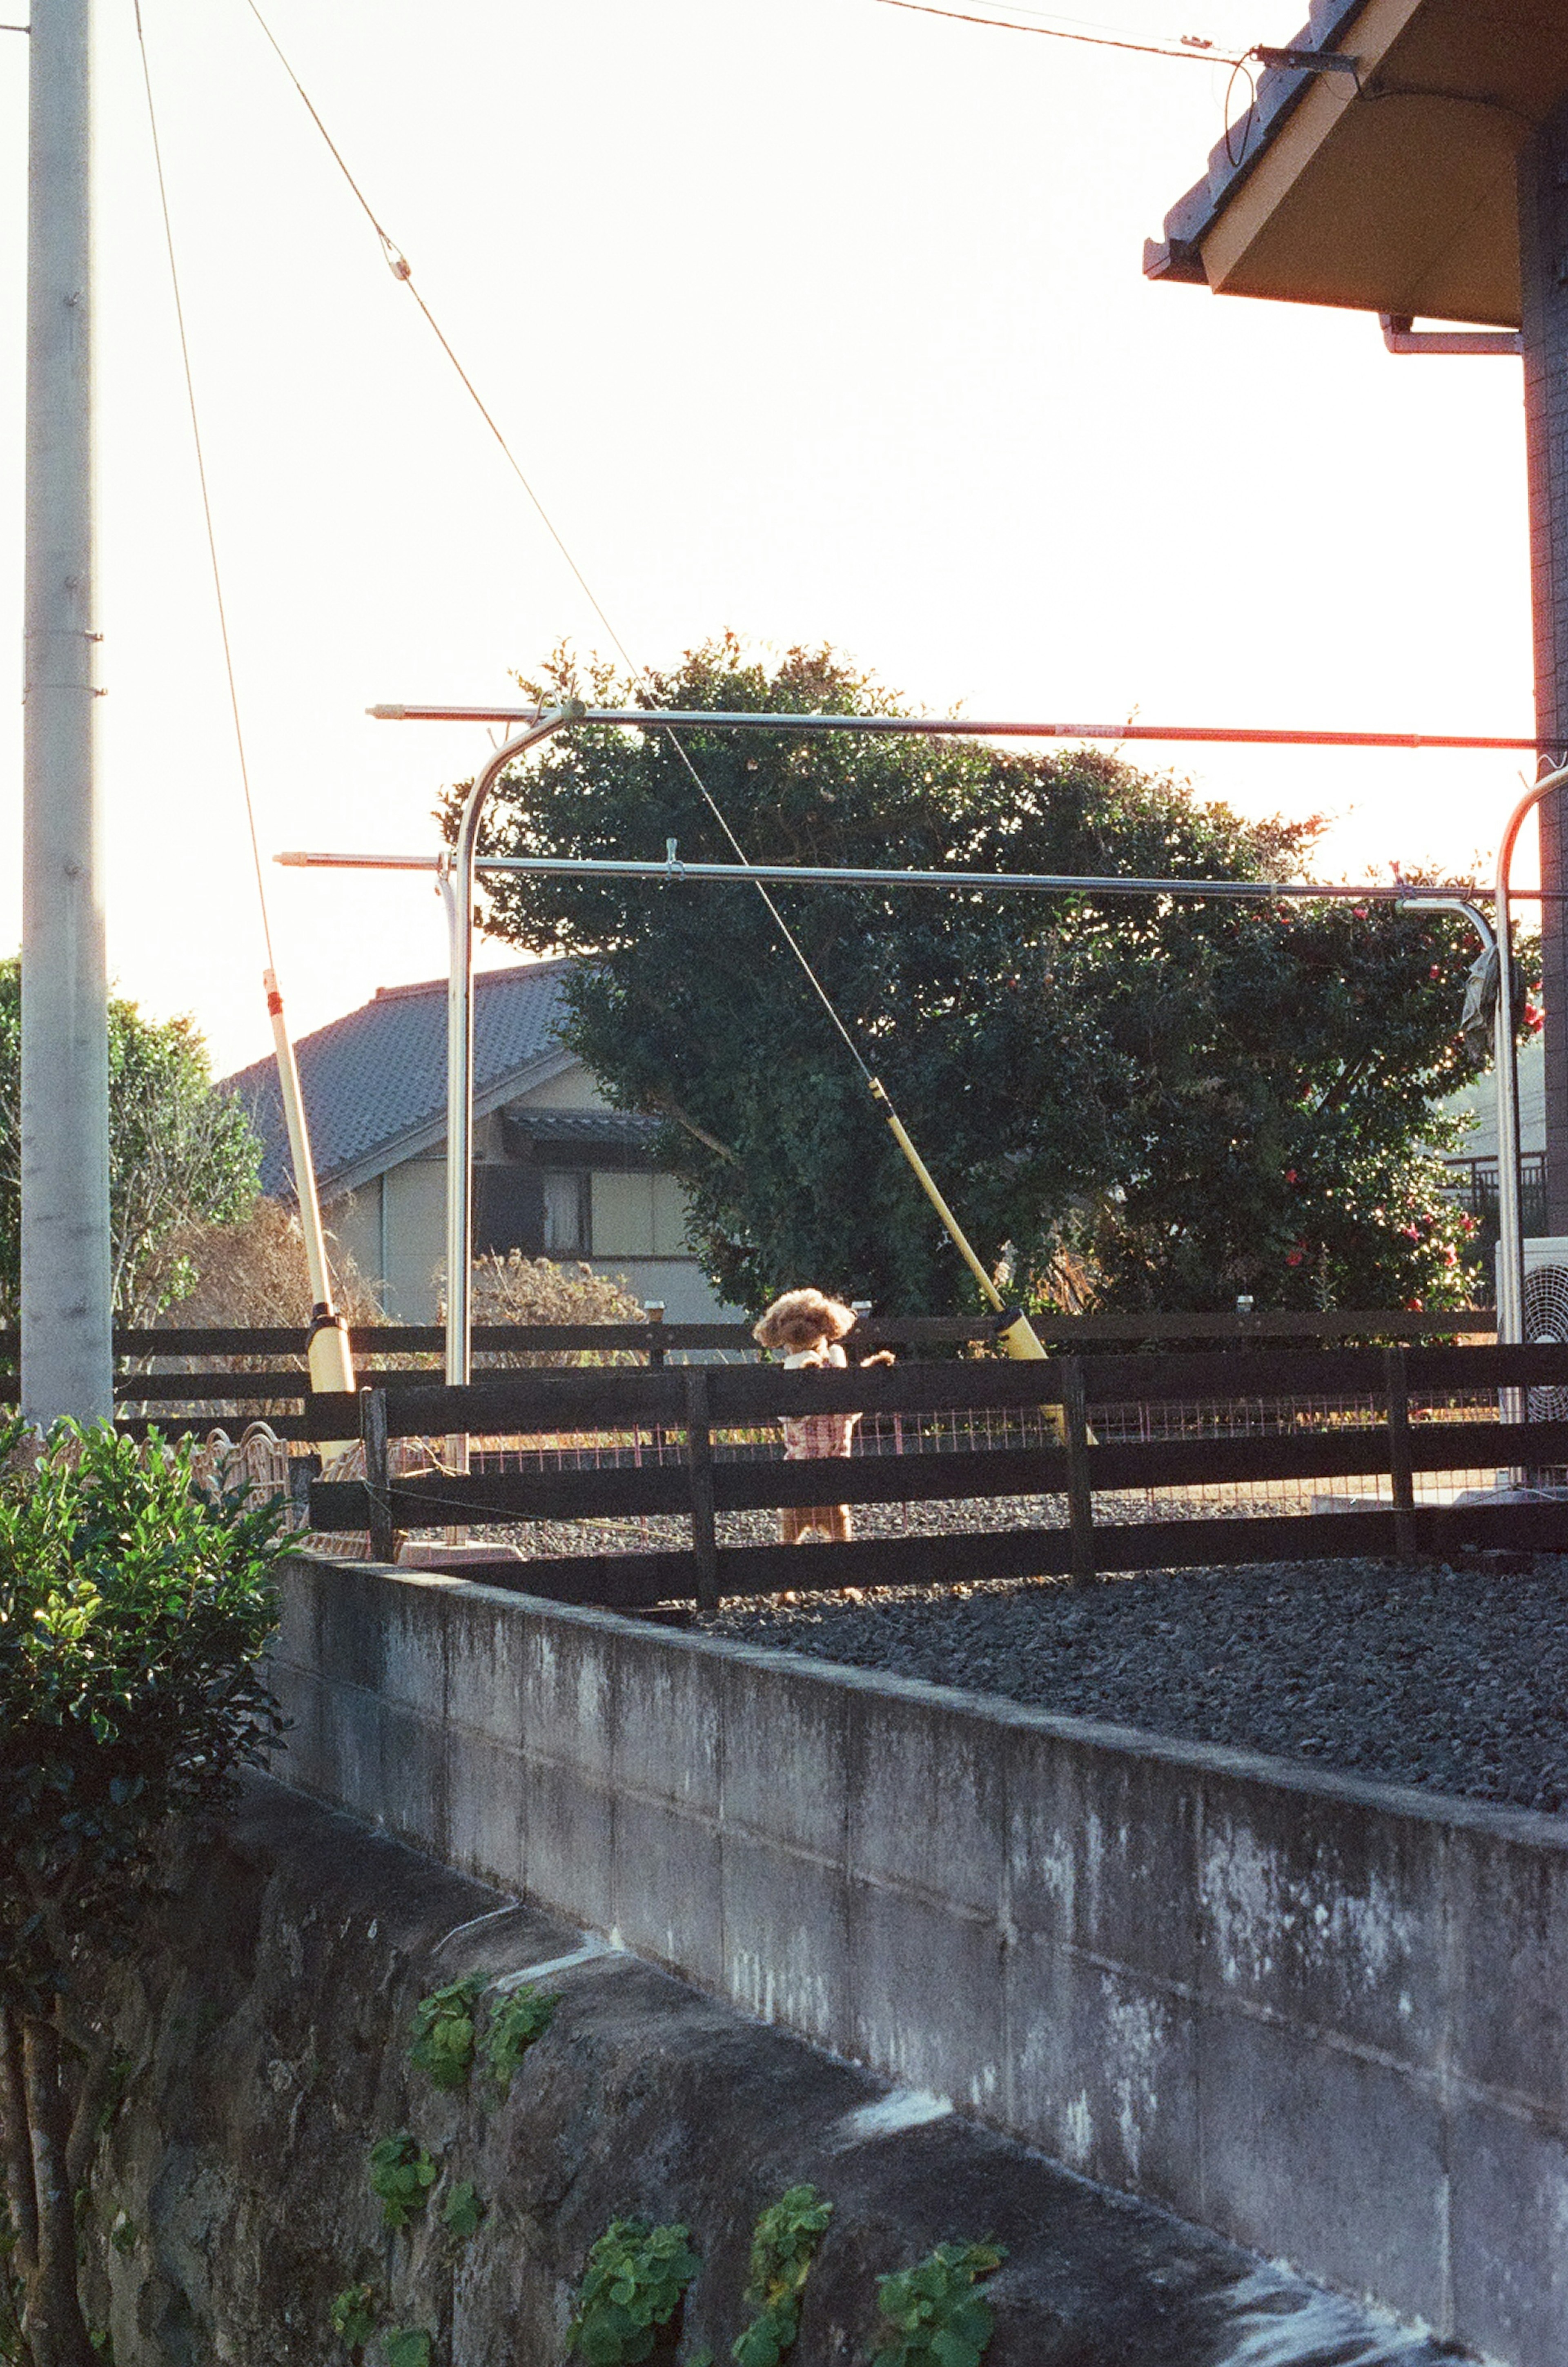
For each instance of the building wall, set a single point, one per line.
(395, 1225)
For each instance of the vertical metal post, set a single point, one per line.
(67, 1342)
(458, 891)
(699, 1467)
(1080, 1496)
(1510, 1229)
(377, 1471)
(1397, 1393)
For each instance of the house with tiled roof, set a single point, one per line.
(557, 1172)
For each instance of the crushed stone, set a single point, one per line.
(1453, 1678)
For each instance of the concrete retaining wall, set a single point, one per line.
(1323, 2016)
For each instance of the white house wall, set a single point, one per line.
(394, 1225)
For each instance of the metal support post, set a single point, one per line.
(1510, 1230)
(458, 887)
(66, 1324)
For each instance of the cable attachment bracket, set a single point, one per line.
(672, 869)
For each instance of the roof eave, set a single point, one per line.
(414, 1140)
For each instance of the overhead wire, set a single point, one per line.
(328, 1354)
(402, 270)
(1202, 56)
(206, 496)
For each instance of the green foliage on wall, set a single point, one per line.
(635, 2282)
(443, 2032)
(934, 2315)
(352, 2315)
(401, 2175)
(783, 2244)
(521, 2019)
(462, 2210)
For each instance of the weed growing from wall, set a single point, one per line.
(443, 2032)
(934, 2315)
(783, 2244)
(522, 2017)
(401, 2175)
(406, 2346)
(462, 2211)
(635, 2282)
(352, 2315)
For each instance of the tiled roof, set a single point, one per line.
(374, 1082)
(585, 1129)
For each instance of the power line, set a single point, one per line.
(402, 269)
(1059, 33)
(206, 499)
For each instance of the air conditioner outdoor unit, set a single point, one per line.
(1546, 1313)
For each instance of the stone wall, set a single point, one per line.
(263, 2027)
(1322, 2016)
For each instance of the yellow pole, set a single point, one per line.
(327, 1349)
(1019, 1336)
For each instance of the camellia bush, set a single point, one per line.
(132, 1612)
(1168, 1101)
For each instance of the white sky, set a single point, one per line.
(820, 320)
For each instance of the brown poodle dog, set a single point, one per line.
(804, 1327)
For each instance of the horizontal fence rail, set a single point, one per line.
(163, 1377)
(701, 1442)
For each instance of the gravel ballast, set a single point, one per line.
(1451, 1679)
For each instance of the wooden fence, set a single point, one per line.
(277, 1384)
(698, 1403)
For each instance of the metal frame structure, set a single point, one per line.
(458, 868)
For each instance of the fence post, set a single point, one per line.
(654, 1313)
(699, 1466)
(1080, 1498)
(1396, 1391)
(377, 1471)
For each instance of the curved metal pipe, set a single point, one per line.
(1510, 1236)
(458, 891)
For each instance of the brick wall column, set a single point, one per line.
(1543, 272)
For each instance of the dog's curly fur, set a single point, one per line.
(808, 1323)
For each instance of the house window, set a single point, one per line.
(567, 1213)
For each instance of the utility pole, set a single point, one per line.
(67, 1348)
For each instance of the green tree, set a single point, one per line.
(179, 1153)
(131, 1614)
(1195, 1099)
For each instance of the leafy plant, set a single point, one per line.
(635, 2282)
(406, 2346)
(132, 1617)
(462, 2210)
(179, 1152)
(401, 2174)
(522, 2017)
(933, 2311)
(443, 2032)
(352, 2314)
(783, 2244)
(1195, 1098)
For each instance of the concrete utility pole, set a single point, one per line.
(1543, 288)
(67, 1350)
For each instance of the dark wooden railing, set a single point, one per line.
(284, 1384)
(699, 1401)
